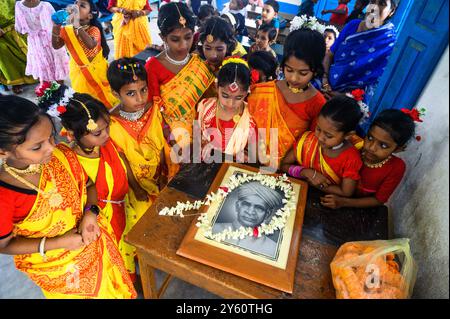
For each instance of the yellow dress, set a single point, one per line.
(132, 37)
(93, 271)
(142, 142)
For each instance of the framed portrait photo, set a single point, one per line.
(267, 258)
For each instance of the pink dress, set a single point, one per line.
(43, 62)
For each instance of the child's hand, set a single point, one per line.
(331, 201)
(89, 228)
(324, 11)
(71, 240)
(258, 22)
(315, 178)
(136, 14)
(140, 194)
(162, 181)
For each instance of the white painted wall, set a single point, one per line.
(420, 206)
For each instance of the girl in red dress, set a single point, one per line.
(382, 171)
(328, 158)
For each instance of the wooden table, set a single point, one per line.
(157, 239)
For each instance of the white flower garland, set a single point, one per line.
(310, 23)
(277, 222)
(306, 22)
(68, 94)
(335, 30)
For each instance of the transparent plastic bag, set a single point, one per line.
(378, 269)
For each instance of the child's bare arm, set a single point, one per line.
(89, 41)
(334, 202)
(336, 11)
(57, 41)
(276, 36)
(288, 160)
(162, 178)
(346, 189)
(19, 245)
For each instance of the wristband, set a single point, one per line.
(295, 170)
(93, 208)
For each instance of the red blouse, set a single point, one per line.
(381, 182)
(347, 164)
(309, 110)
(157, 75)
(15, 205)
(227, 127)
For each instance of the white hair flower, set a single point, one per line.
(305, 22)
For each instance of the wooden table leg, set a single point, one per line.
(148, 280)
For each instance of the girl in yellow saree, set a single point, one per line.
(51, 223)
(130, 26)
(136, 130)
(88, 51)
(178, 77)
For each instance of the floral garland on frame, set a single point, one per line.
(277, 222)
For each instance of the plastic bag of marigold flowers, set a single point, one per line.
(378, 269)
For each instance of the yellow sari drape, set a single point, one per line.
(265, 105)
(132, 37)
(87, 76)
(181, 95)
(309, 154)
(143, 152)
(93, 271)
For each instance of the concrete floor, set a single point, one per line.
(16, 285)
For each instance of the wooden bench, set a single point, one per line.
(157, 238)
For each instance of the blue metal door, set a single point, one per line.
(422, 39)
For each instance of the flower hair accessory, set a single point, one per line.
(254, 76)
(358, 96)
(305, 22)
(333, 28)
(56, 109)
(91, 125)
(415, 115)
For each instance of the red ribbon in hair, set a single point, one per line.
(358, 94)
(254, 75)
(414, 114)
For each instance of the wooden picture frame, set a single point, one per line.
(275, 271)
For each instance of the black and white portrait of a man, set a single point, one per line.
(250, 205)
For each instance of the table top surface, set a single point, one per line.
(157, 239)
